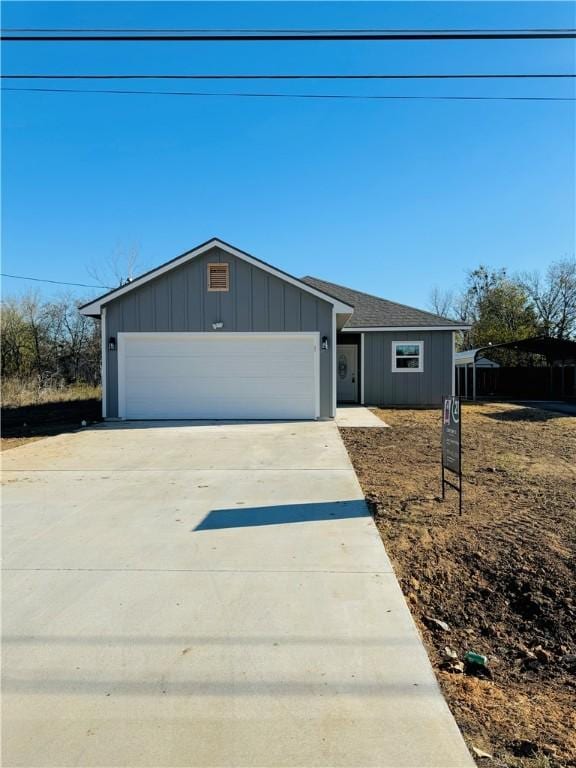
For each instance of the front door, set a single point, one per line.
(347, 373)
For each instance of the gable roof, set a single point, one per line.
(93, 308)
(372, 312)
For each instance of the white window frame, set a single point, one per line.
(420, 369)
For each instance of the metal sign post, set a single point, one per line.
(452, 444)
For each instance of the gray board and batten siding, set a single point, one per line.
(179, 300)
(382, 386)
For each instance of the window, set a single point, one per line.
(407, 356)
(218, 278)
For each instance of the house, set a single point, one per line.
(218, 334)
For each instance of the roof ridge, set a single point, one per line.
(193, 253)
(379, 298)
(155, 269)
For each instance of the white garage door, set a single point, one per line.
(218, 376)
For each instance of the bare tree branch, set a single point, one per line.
(116, 269)
(553, 298)
(441, 302)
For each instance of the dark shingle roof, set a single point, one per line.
(371, 311)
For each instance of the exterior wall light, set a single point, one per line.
(112, 344)
(324, 342)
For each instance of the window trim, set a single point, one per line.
(420, 356)
(219, 264)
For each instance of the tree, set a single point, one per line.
(48, 341)
(504, 314)
(496, 306)
(14, 337)
(441, 301)
(553, 298)
(34, 319)
(75, 338)
(118, 268)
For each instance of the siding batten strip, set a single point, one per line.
(362, 368)
(333, 352)
(104, 367)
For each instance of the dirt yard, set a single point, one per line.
(25, 423)
(502, 576)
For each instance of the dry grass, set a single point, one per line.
(16, 393)
(33, 409)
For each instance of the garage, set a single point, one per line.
(218, 375)
(216, 333)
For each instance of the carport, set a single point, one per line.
(542, 367)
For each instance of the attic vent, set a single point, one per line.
(218, 277)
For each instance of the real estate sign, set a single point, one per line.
(451, 434)
(452, 444)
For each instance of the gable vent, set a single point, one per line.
(218, 279)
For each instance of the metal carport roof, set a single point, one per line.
(555, 350)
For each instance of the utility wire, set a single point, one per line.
(290, 36)
(293, 95)
(277, 30)
(56, 282)
(290, 77)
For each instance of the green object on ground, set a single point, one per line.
(476, 658)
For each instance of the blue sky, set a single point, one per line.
(388, 197)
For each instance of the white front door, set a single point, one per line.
(218, 375)
(347, 373)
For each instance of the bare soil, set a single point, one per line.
(26, 423)
(502, 576)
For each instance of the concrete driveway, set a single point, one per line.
(206, 595)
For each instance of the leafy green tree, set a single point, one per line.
(504, 314)
(497, 307)
(501, 308)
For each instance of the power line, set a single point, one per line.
(290, 36)
(292, 95)
(478, 76)
(55, 282)
(277, 30)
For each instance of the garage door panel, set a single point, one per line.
(204, 366)
(182, 386)
(214, 346)
(219, 408)
(214, 411)
(211, 376)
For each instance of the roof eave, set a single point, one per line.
(376, 328)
